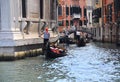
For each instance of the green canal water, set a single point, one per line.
(96, 62)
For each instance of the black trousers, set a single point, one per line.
(67, 40)
(77, 37)
(45, 42)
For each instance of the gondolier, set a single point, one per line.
(46, 36)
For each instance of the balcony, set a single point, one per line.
(76, 16)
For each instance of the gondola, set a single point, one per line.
(64, 39)
(54, 52)
(51, 54)
(81, 42)
(87, 40)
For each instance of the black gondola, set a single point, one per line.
(66, 39)
(81, 42)
(49, 53)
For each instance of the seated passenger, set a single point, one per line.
(55, 50)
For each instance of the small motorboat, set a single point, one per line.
(54, 52)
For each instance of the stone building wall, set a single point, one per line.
(20, 25)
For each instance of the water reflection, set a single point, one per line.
(92, 63)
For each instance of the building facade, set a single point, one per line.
(72, 12)
(21, 22)
(97, 20)
(89, 7)
(106, 20)
(109, 21)
(117, 20)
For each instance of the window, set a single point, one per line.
(59, 10)
(85, 22)
(24, 8)
(99, 12)
(117, 5)
(67, 10)
(71, 11)
(97, 1)
(76, 9)
(96, 20)
(41, 9)
(99, 31)
(80, 22)
(84, 12)
(67, 23)
(71, 22)
(89, 18)
(60, 23)
(109, 12)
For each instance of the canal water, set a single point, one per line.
(96, 62)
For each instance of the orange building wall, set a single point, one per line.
(64, 17)
(105, 4)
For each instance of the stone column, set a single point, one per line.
(10, 20)
(8, 32)
(6, 35)
(5, 15)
